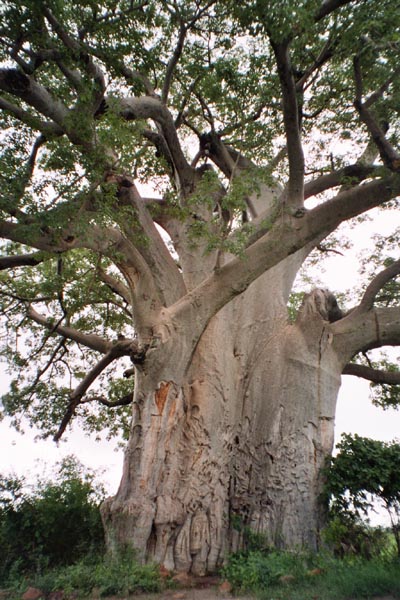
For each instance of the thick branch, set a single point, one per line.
(173, 62)
(93, 341)
(107, 241)
(377, 284)
(132, 76)
(75, 399)
(354, 173)
(21, 260)
(46, 128)
(329, 6)
(374, 375)
(388, 154)
(115, 286)
(362, 331)
(148, 107)
(295, 190)
(25, 87)
(284, 238)
(167, 278)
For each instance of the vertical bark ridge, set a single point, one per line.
(233, 441)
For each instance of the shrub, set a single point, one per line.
(257, 570)
(348, 535)
(120, 576)
(55, 524)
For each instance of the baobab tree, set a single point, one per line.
(234, 115)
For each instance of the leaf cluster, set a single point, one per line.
(363, 468)
(47, 367)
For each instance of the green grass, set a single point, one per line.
(103, 577)
(268, 574)
(262, 573)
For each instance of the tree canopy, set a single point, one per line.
(123, 117)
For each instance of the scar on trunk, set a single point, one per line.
(161, 396)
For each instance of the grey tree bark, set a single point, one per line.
(233, 436)
(234, 405)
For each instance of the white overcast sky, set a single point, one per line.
(356, 414)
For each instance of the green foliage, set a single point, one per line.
(365, 469)
(298, 576)
(223, 79)
(295, 301)
(119, 576)
(347, 535)
(46, 368)
(257, 570)
(57, 523)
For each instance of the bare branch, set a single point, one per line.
(388, 154)
(93, 341)
(377, 284)
(115, 286)
(354, 173)
(81, 390)
(252, 118)
(180, 118)
(49, 363)
(25, 87)
(326, 250)
(21, 260)
(173, 62)
(329, 6)
(325, 54)
(23, 178)
(382, 89)
(295, 190)
(148, 107)
(124, 401)
(24, 116)
(374, 375)
(87, 63)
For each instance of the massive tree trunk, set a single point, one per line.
(232, 436)
(234, 405)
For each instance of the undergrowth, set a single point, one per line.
(100, 577)
(278, 575)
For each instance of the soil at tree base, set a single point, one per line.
(212, 593)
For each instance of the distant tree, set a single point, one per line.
(258, 128)
(57, 523)
(365, 470)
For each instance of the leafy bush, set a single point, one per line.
(258, 570)
(56, 524)
(120, 576)
(347, 535)
(298, 576)
(364, 469)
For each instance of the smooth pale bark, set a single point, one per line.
(230, 437)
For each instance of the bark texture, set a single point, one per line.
(234, 405)
(233, 437)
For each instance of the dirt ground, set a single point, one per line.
(206, 588)
(208, 593)
(211, 593)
